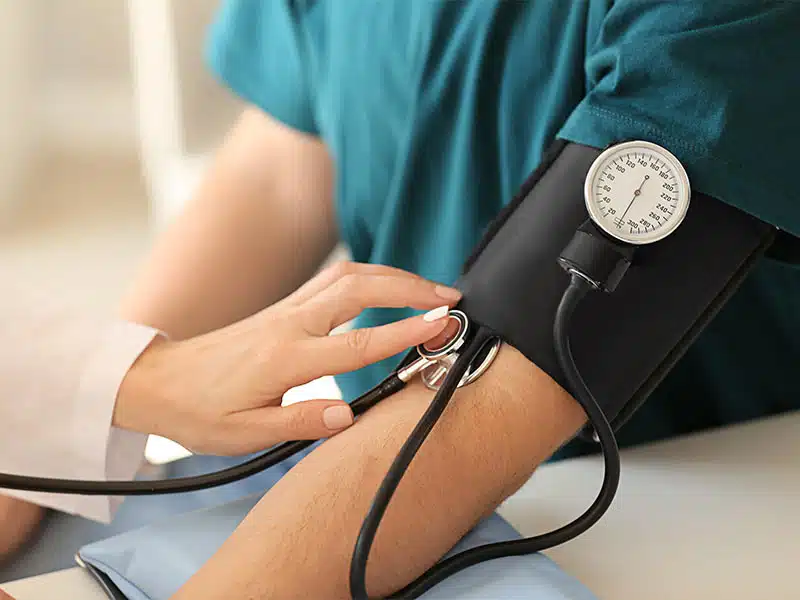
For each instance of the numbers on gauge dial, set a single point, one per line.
(636, 193)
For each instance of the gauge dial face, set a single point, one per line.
(637, 192)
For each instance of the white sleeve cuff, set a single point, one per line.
(76, 437)
(113, 453)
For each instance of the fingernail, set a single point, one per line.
(337, 417)
(447, 293)
(436, 314)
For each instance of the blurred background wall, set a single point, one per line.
(15, 84)
(107, 120)
(83, 89)
(109, 78)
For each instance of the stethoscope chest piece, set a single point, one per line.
(440, 356)
(433, 375)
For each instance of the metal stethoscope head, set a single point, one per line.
(438, 355)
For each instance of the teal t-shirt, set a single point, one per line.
(435, 111)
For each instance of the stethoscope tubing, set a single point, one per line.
(270, 458)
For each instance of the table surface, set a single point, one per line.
(714, 515)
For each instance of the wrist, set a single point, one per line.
(139, 390)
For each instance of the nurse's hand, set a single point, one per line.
(221, 393)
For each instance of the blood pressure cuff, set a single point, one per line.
(625, 342)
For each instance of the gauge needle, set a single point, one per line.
(636, 193)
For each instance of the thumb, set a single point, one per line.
(306, 420)
(4, 596)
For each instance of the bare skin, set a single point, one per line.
(18, 522)
(298, 541)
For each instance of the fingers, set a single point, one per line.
(358, 348)
(327, 277)
(350, 295)
(258, 429)
(4, 596)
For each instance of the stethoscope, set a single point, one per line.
(435, 360)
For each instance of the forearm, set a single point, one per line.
(259, 225)
(298, 541)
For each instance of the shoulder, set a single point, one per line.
(258, 49)
(716, 82)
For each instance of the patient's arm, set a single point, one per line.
(298, 541)
(268, 194)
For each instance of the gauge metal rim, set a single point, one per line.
(591, 206)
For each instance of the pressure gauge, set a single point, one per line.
(637, 192)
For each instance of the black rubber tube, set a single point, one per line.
(577, 289)
(275, 455)
(369, 527)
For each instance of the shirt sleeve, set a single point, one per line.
(60, 371)
(260, 50)
(716, 82)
